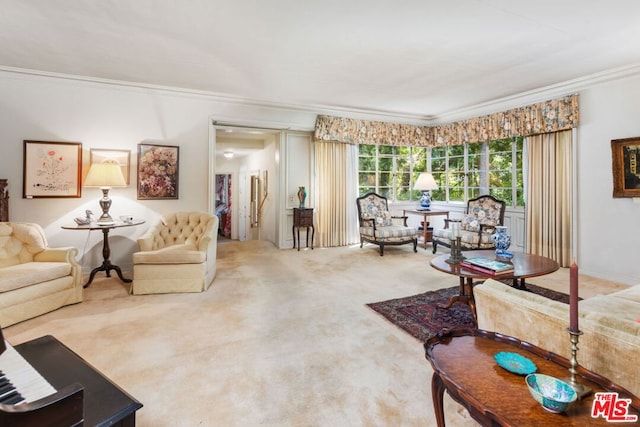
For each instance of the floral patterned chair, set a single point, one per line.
(477, 226)
(377, 226)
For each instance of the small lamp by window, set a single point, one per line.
(105, 175)
(425, 182)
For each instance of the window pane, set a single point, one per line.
(385, 192)
(385, 164)
(403, 194)
(367, 179)
(385, 179)
(367, 163)
(367, 150)
(365, 190)
(385, 149)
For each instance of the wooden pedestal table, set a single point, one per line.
(106, 251)
(464, 366)
(425, 214)
(524, 266)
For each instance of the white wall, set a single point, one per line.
(607, 227)
(106, 115)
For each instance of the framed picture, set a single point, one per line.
(157, 171)
(123, 157)
(52, 169)
(625, 155)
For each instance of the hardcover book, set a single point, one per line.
(489, 264)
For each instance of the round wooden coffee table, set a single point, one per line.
(524, 266)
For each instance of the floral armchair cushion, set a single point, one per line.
(482, 211)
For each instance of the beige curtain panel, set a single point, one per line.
(549, 196)
(544, 117)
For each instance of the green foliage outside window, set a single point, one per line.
(461, 171)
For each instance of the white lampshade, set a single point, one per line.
(425, 182)
(105, 174)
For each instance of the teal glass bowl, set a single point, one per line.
(553, 394)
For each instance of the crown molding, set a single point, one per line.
(499, 104)
(538, 95)
(364, 113)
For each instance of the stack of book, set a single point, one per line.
(486, 265)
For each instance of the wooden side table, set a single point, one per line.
(425, 214)
(464, 366)
(106, 250)
(303, 217)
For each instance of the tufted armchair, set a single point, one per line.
(178, 254)
(377, 226)
(477, 226)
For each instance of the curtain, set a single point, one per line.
(337, 184)
(549, 196)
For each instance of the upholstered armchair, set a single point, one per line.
(377, 226)
(178, 254)
(477, 226)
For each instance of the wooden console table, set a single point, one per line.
(303, 217)
(464, 366)
(425, 214)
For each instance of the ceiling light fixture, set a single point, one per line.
(228, 154)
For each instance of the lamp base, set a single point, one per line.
(425, 200)
(105, 204)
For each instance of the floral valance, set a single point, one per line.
(543, 117)
(355, 131)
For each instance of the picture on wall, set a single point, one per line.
(52, 169)
(158, 171)
(625, 155)
(123, 157)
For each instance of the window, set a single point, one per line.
(461, 171)
(390, 171)
(467, 171)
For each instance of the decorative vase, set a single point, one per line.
(302, 196)
(502, 241)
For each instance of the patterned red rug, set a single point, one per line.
(419, 315)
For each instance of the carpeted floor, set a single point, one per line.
(420, 316)
(281, 338)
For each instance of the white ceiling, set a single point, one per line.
(422, 58)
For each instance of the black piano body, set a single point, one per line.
(84, 396)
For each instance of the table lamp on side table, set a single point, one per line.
(105, 175)
(425, 182)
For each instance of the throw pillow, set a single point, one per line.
(383, 219)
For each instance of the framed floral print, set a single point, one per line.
(625, 155)
(52, 169)
(158, 171)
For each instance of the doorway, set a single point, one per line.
(224, 204)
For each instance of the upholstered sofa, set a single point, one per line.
(178, 254)
(610, 326)
(34, 278)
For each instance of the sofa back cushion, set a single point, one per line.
(19, 242)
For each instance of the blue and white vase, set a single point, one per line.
(502, 241)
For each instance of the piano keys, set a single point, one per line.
(19, 381)
(82, 395)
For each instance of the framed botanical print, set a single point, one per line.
(625, 156)
(52, 169)
(158, 171)
(123, 157)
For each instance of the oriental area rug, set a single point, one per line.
(419, 316)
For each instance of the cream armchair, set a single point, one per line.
(178, 254)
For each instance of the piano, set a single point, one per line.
(45, 384)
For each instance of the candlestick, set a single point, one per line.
(573, 297)
(581, 390)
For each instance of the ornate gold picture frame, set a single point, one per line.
(625, 156)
